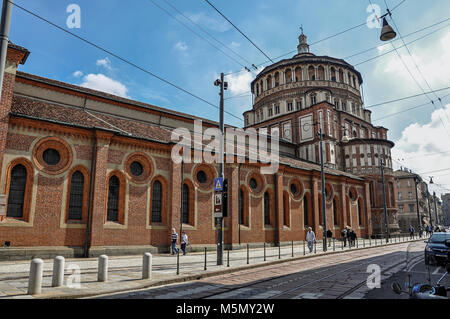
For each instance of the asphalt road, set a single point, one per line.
(323, 277)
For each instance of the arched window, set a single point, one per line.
(288, 76)
(156, 202)
(298, 74)
(185, 205)
(76, 196)
(333, 74)
(269, 82)
(311, 73)
(113, 199)
(341, 76)
(335, 213)
(17, 188)
(305, 211)
(321, 73)
(360, 219)
(241, 207)
(277, 79)
(286, 209)
(266, 208)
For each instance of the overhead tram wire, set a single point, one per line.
(406, 110)
(123, 59)
(417, 67)
(196, 33)
(316, 42)
(239, 30)
(206, 32)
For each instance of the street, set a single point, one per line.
(336, 276)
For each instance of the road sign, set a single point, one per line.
(218, 199)
(218, 184)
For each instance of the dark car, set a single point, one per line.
(436, 251)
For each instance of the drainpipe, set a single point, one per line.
(87, 243)
(277, 238)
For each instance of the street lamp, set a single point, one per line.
(387, 33)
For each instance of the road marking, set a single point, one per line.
(231, 294)
(308, 295)
(186, 292)
(436, 271)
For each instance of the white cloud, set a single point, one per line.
(77, 74)
(106, 63)
(181, 46)
(235, 44)
(103, 83)
(239, 83)
(419, 144)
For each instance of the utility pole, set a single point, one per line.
(429, 207)
(324, 214)
(384, 201)
(419, 223)
(223, 86)
(4, 37)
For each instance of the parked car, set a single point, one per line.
(436, 251)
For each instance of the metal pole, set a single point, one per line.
(4, 37)
(228, 257)
(292, 245)
(264, 251)
(279, 250)
(384, 202)
(419, 223)
(304, 251)
(205, 259)
(221, 172)
(435, 208)
(324, 215)
(429, 208)
(248, 254)
(178, 262)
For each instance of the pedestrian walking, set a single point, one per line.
(174, 238)
(411, 232)
(329, 235)
(353, 237)
(344, 236)
(311, 239)
(184, 242)
(348, 235)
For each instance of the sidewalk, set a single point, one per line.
(125, 273)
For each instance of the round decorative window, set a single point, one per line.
(294, 189)
(136, 169)
(253, 183)
(51, 156)
(202, 177)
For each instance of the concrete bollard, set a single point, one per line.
(35, 279)
(103, 268)
(147, 266)
(58, 271)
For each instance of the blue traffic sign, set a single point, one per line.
(218, 184)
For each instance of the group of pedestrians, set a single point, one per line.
(183, 242)
(349, 235)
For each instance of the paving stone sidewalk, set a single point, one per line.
(125, 273)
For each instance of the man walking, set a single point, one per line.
(311, 239)
(411, 232)
(329, 236)
(174, 238)
(344, 236)
(184, 242)
(353, 237)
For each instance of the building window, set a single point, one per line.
(277, 109)
(266, 208)
(289, 107)
(271, 112)
(202, 177)
(411, 208)
(335, 214)
(51, 157)
(399, 195)
(285, 209)
(185, 205)
(360, 219)
(313, 99)
(113, 199)
(305, 211)
(136, 169)
(17, 189)
(156, 202)
(410, 195)
(76, 196)
(241, 207)
(299, 105)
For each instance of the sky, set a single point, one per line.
(172, 40)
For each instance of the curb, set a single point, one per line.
(209, 274)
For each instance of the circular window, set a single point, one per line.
(362, 155)
(136, 169)
(253, 183)
(51, 156)
(202, 177)
(294, 189)
(139, 168)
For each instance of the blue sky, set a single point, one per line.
(144, 34)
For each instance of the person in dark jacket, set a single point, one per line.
(411, 232)
(330, 236)
(353, 237)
